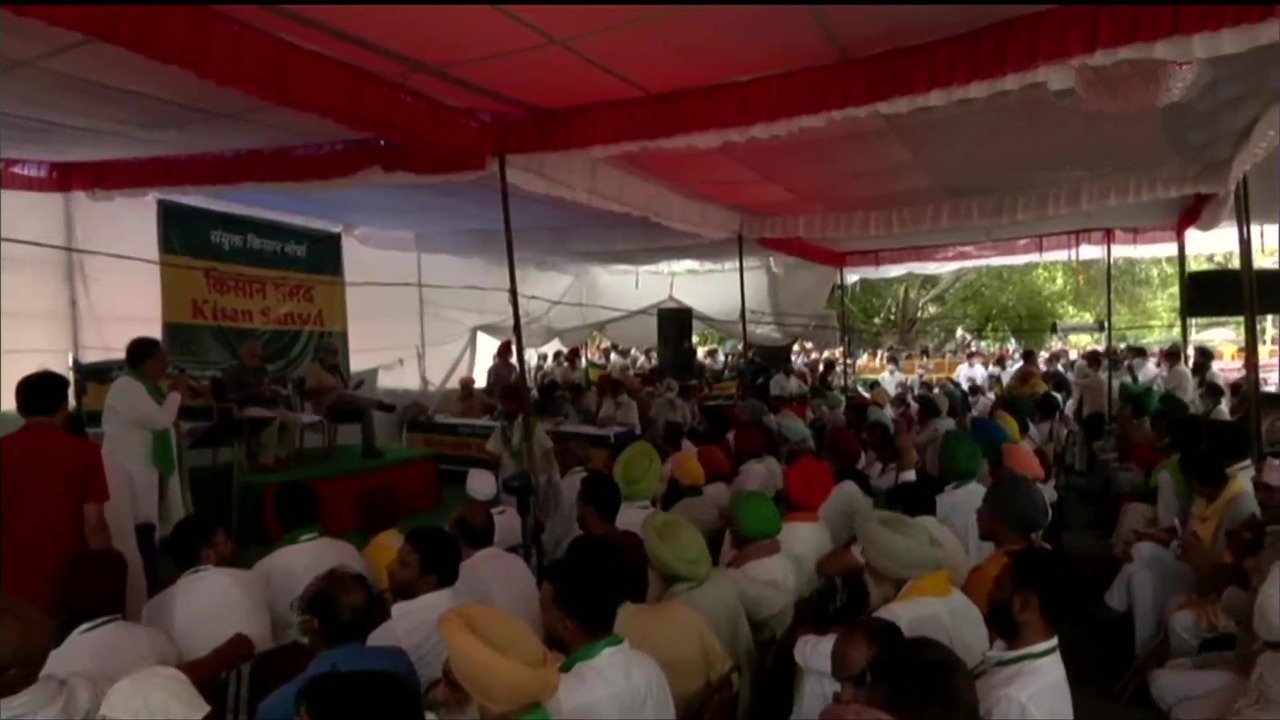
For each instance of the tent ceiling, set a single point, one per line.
(858, 128)
(67, 97)
(514, 58)
(464, 218)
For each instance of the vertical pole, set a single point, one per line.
(422, 331)
(1182, 291)
(1250, 307)
(69, 227)
(1110, 335)
(742, 289)
(844, 335)
(526, 422)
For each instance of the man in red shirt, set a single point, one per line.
(52, 492)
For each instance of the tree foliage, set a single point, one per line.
(1019, 303)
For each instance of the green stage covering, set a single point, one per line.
(343, 461)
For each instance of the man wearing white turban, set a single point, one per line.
(911, 558)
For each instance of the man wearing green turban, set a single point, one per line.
(765, 578)
(638, 472)
(678, 554)
(960, 460)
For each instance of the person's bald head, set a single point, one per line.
(26, 638)
(473, 526)
(339, 607)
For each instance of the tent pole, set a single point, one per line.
(69, 227)
(526, 421)
(844, 336)
(1110, 334)
(422, 331)
(1182, 290)
(742, 289)
(1244, 231)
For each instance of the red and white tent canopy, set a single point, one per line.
(819, 131)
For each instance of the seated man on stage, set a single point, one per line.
(327, 388)
(250, 389)
(470, 402)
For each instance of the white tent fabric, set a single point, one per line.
(404, 306)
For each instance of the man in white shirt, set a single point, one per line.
(26, 638)
(508, 441)
(303, 555)
(892, 378)
(971, 372)
(1139, 369)
(210, 602)
(617, 409)
(1022, 676)
(421, 579)
(1202, 371)
(104, 645)
(959, 460)
(482, 488)
(140, 457)
(490, 576)
(602, 676)
(785, 386)
(1177, 377)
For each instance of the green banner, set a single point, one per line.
(227, 279)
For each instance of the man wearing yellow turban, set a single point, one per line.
(638, 472)
(680, 558)
(496, 663)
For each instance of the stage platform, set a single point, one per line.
(339, 479)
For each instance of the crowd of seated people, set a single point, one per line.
(809, 554)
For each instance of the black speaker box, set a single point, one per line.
(675, 342)
(1216, 293)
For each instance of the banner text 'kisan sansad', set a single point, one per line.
(201, 292)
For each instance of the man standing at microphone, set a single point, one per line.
(139, 452)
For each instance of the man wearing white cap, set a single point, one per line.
(162, 693)
(482, 486)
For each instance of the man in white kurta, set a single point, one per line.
(892, 378)
(304, 554)
(421, 579)
(490, 576)
(132, 419)
(764, 576)
(602, 675)
(210, 602)
(1023, 677)
(959, 460)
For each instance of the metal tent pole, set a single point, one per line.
(742, 289)
(844, 335)
(1182, 290)
(1244, 232)
(422, 330)
(1110, 334)
(526, 422)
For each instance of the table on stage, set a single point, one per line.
(459, 442)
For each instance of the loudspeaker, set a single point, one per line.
(675, 342)
(1216, 293)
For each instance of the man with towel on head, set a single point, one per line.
(638, 472)
(908, 560)
(1011, 515)
(482, 488)
(496, 666)
(847, 501)
(758, 469)
(684, 566)
(804, 537)
(959, 460)
(766, 578)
